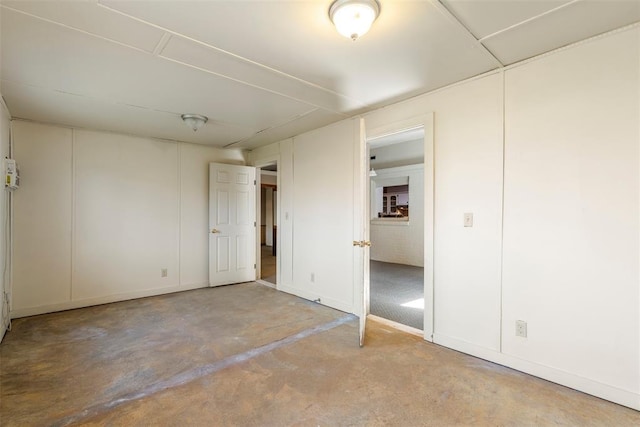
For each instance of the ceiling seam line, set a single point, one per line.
(133, 135)
(112, 102)
(454, 19)
(195, 67)
(69, 27)
(173, 33)
(162, 43)
(272, 127)
(572, 45)
(233, 55)
(528, 20)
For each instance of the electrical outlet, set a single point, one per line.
(163, 272)
(313, 277)
(521, 328)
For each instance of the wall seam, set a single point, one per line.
(179, 189)
(72, 262)
(503, 104)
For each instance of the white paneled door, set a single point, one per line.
(232, 245)
(361, 227)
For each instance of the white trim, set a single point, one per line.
(265, 283)
(394, 222)
(267, 161)
(4, 105)
(329, 302)
(622, 397)
(69, 305)
(395, 325)
(426, 121)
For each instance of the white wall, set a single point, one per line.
(316, 213)
(323, 205)
(282, 153)
(99, 215)
(571, 224)
(564, 131)
(42, 223)
(4, 224)
(468, 178)
(572, 212)
(194, 209)
(401, 242)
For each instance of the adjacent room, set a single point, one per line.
(350, 212)
(396, 171)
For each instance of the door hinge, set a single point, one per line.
(254, 182)
(254, 224)
(254, 266)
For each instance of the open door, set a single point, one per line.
(361, 241)
(232, 234)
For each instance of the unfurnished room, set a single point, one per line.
(320, 213)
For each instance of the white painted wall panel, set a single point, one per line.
(285, 225)
(126, 214)
(5, 125)
(42, 223)
(323, 223)
(571, 224)
(468, 178)
(194, 208)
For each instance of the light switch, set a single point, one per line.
(468, 219)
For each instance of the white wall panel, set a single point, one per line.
(323, 223)
(5, 250)
(282, 152)
(571, 223)
(194, 208)
(42, 223)
(468, 178)
(285, 224)
(126, 214)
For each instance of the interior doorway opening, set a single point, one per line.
(267, 263)
(396, 228)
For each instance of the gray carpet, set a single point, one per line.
(393, 285)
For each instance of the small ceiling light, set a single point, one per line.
(194, 121)
(353, 18)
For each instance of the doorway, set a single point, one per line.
(396, 227)
(268, 224)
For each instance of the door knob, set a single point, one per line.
(215, 231)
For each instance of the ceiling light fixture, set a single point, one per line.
(194, 121)
(353, 18)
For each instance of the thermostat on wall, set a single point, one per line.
(12, 179)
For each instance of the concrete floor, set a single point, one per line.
(247, 355)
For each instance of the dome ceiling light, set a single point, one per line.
(353, 18)
(194, 121)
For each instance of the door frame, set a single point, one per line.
(426, 121)
(267, 161)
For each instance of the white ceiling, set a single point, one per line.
(397, 149)
(262, 70)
